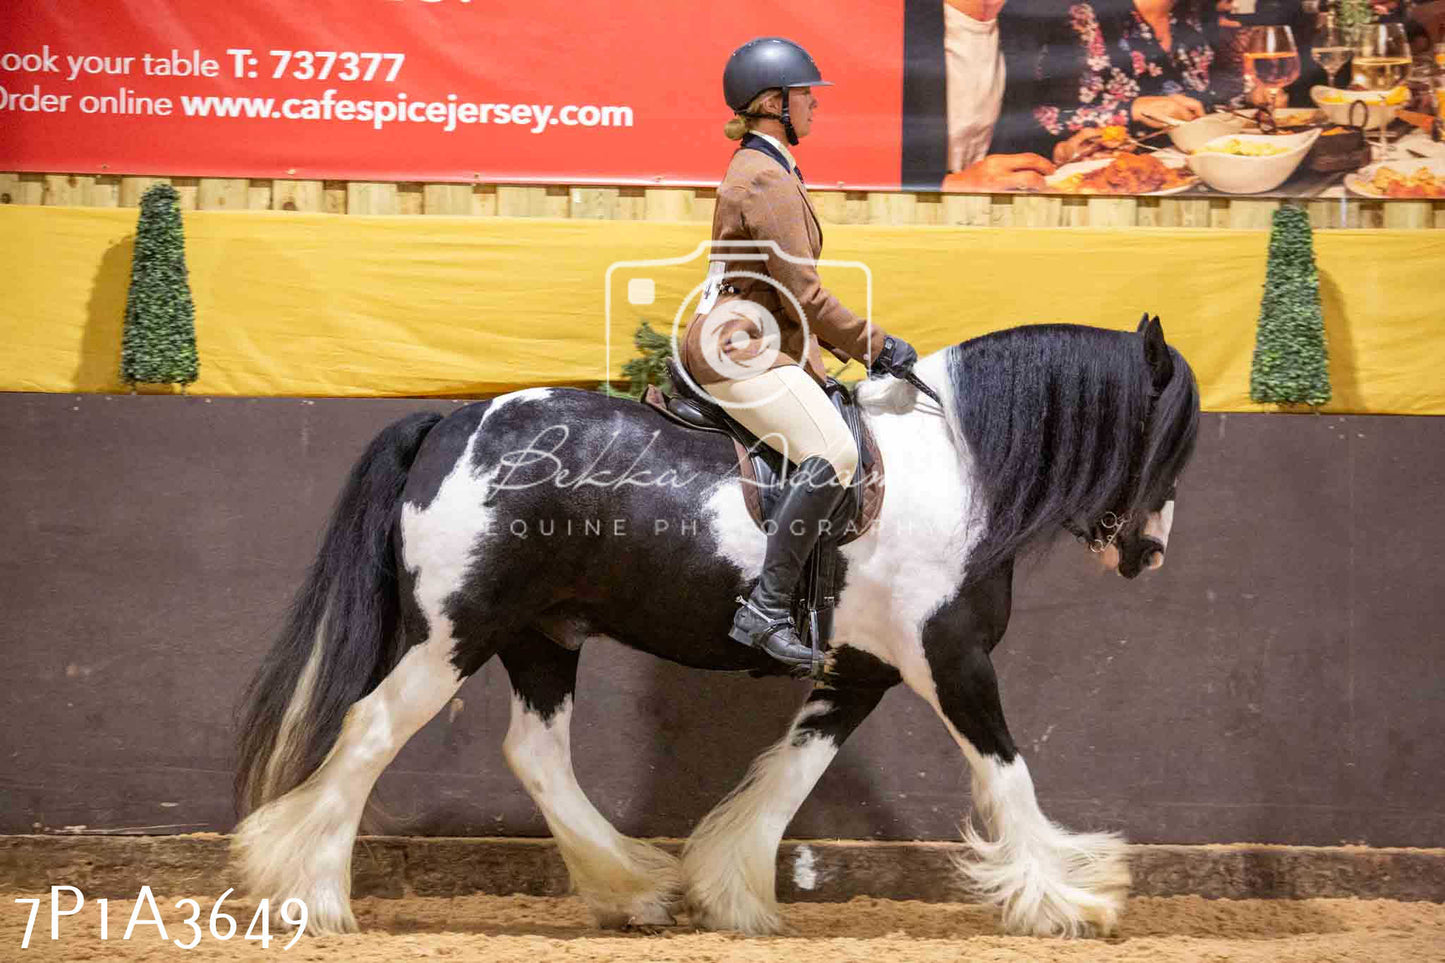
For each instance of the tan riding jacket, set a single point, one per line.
(759, 200)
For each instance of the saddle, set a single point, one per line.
(764, 471)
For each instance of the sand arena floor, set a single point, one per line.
(532, 929)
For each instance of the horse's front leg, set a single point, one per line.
(1046, 880)
(730, 861)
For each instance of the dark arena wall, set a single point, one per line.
(1277, 681)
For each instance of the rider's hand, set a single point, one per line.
(897, 358)
(1001, 172)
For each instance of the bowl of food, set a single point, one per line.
(1191, 136)
(1380, 105)
(1250, 163)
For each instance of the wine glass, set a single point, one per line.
(1333, 47)
(1382, 61)
(1272, 59)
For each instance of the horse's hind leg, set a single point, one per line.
(624, 881)
(300, 844)
(1047, 881)
(730, 860)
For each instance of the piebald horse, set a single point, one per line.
(525, 526)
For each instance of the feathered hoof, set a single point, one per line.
(281, 858)
(1077, 888)
(649, 918)
(749, 920)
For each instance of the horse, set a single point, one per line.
(528, 525)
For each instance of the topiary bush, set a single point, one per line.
(159, 341)
(1291, 363)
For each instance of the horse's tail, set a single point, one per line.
(341, 635)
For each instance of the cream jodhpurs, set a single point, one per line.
(789, 411)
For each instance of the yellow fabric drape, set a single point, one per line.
(320, 305)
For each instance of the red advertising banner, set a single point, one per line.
(628, 91)
(1191, 97)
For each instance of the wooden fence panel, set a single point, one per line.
(697, 205)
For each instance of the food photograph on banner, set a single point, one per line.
(1193, 97)
(1299, 98)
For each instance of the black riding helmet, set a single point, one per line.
(763, 64)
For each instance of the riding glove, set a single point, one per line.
(897, 358)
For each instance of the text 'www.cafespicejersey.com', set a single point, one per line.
(145, 919)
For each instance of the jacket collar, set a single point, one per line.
(752, 140)
(780, 146)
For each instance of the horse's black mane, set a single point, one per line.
(1054, 417)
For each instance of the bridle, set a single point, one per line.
(1105, 530)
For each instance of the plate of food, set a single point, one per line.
(1122, 174)
(1413, 177)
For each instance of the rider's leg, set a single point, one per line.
(788, 410)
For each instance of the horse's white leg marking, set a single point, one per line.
(622, 880)
(300, 845)
(1046, 880)
(730, 861)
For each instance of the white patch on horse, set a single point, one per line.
(730, 861)
(515, 397)
(623, 881)
(438, 541)
(911, 562)
(738, 538)
(1158, 525)
(805, 876)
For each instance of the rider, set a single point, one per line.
(749, 346)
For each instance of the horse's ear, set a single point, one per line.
(1143, 323)
(1156, 352)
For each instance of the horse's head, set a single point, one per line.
(1136, 539)
(1084, 427)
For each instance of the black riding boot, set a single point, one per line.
(764, 620)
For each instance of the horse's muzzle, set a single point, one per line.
(1144, 553)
